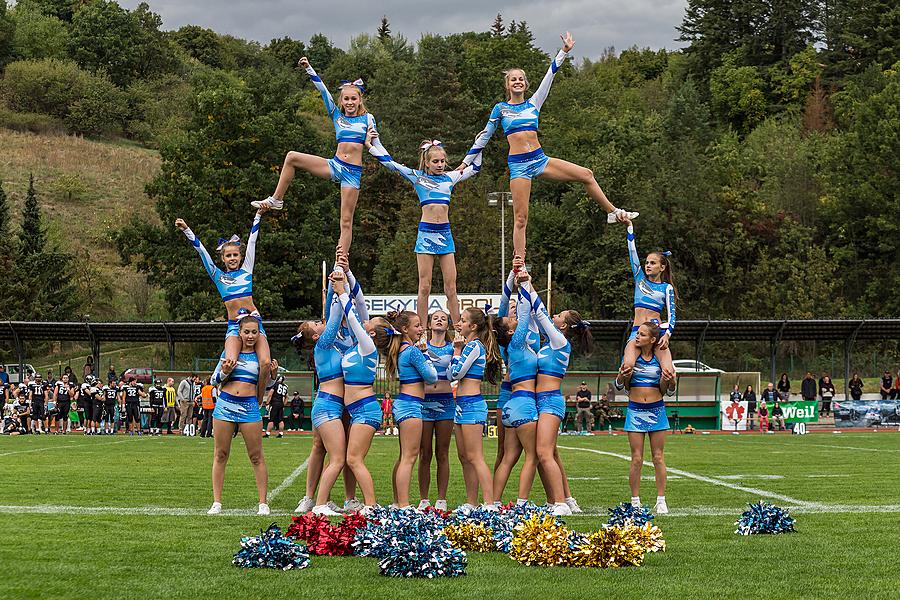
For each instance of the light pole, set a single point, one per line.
(502, 199)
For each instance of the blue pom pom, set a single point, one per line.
(626, 512)
(763, 517)
(271, 550)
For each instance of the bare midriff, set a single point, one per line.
(522, 142)
(232, 306)
(350, 152)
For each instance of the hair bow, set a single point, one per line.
(232, 240)
(666, 253)
(488, 308)
(582, 325)
(358, 83)
(297, 337)
(655, 322)
(427, 145)
(391, 332)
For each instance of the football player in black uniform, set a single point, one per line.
(110, 395)
(157, 395)
(62, 396)
(133, 406)
(37, 396)
(276, 406)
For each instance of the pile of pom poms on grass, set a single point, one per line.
(763, 517)
(433, 543)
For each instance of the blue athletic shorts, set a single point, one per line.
(521, 408)
(502, 399)
(326, 407)
(471, 410)
(366, 411)
(551, 402)
(348, 175)
(236, 409)
(528, 165)
(647, 417)
(434, 238)
(234, 329)
(438, 407)
(406, 407)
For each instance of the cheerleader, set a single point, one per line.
(654, 290)
(433, 187)
(519, 119)
(646, 411)
(235, 286)
(414, 368)
(351, 121)
(475, 357)
(237, 409)
(553, 361)
(438, 411)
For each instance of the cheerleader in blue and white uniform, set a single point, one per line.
(438, 411)
(519, 119)
(553, 361)
(351, 121)
(235, 286)
(237, 408)
(433, 187)
(646, 412)
(475, 357)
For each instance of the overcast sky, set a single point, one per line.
(595, 24)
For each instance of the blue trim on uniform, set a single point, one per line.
(434, 227)
(435, 239)
(326, 407)
(438, 407)
(553, 403)
(236, 409)
(521, 129)
(646, 418)
(406, 406)
(647, 306)
(521, 408)
(331, 377)
(557, 374)
(639, 405)
(366, 411)
(350, 166)
(506, 385)
(315, 78)
(234, 296)
(521, 379)
(527, 165)
(471, 410)
(525, 156)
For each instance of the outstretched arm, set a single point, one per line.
(205, 258)
(469, 171)
(250, 252)
(379, 152)
(363, 339)
(556, 337)
(460, 365)
(332, 324)
(359, 299)
(523, 314)
(330, 106)
(670, 309)
(482, 139)
(633, 257)
(507, 293)
(540, 95)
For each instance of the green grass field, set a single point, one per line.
(124, 517)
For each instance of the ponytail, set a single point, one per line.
(394, 339)
(579, 331)
(305, 344)
(667, 276)
(484, 331)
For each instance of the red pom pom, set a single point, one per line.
(444, 514)
(324, 538)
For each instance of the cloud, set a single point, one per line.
(595, 24)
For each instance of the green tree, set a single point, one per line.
(7, 34)
(857, 34)
(105, 36)
(714, 28)
(286, 51)
(63, 10)
(32, 236)
(497, 28)
(6, 247)
(39, 35)
(201, 44)
(384, 29)
(321, 52)
(738, 92)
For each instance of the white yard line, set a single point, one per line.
(62, 447)
(854, 448)
(149, 511)
(704, 478)
(288, 481)
(716, 511)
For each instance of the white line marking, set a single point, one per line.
(831, 475)
(63, 446)
(644, 477)
(855, 448)
(703, 478)
(742, 476)
(288, 481)
(715, 511)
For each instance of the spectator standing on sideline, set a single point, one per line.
(387, 411)
(778, 417)
(51, 380)
(768, 395)
(886, 385)
(111, 375)
(784, 387)
(4, 376)
(583, 414)
(895, 392)
(856, 387)
(826, 391)
(735, 394)
(88, 368)
(601, 411)
(169, 410)
(610, 393)
(763, 414)
(297, 411)
(185, 405)
(750, 398)
(72, 379)
(208, 400)
(808, 388)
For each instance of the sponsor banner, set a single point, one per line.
(380, 305)
(866, 413)
(802, 411)
(734, 415)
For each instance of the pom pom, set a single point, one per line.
(626, 513)
(271, 550)
(324, 538)
(763, 517)
(409, 544)
(651, 538)
(610, 547)
(471, 536)
(540, 541)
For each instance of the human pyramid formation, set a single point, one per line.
(344, 348)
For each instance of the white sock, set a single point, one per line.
(636, 501)
(570, 499)
(521, 501)
(660, 499)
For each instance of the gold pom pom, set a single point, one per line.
(618, 546)
(470, 536)
(540, 541)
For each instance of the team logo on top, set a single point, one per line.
(427, 182)
(509, 112)
(227, 279)
(344, 123)
(647, 290)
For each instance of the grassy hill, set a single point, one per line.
(86, 189)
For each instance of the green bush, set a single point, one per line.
(32, 122)
(38, 35)
(100, 111)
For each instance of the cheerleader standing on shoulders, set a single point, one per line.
(519, 119)
(654, 290)
(237, 409)
(553, 361)
(475, 357)
(235, 286)
(520, 413)
(438, 411)
(433, 187)
(415, 370)
(646, 412)
(351, 121)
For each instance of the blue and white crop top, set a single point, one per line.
(344, 340)
(515, 118)
(431, 189)
(650, 294)
(470, 363)
(440, 358)
(360, 361)
(414, 366)
(346, 129)
(534, 335)
(246, 370)
(646, 373)
(523, 359)
(553, 357)
(231, 284)
(326, 353)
